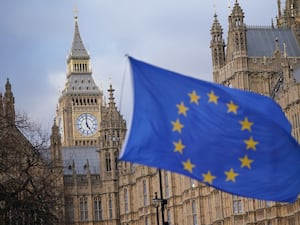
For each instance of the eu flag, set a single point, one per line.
(236, 141)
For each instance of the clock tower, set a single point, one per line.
(79, 109)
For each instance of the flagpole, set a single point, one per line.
(163, 201)
(156, 206)
(160, 201)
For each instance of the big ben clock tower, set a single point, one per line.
(79, 109)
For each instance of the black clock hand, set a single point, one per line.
(86, 122)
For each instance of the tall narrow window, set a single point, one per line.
(69, 209)
(108, 162)
(97, 209)
(237, 204)
(83, 204)
(110, 209)
(169, 216)
(260, 204)
(242, 40)
(218, 206)
(194, 212)
(237, 41)
(145, 197)
(116, 155)
(167, 191)
(126, 201)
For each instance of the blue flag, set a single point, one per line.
(236, 141)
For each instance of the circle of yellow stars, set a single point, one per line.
(246, 125)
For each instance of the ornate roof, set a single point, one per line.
(237, 10)
(81, 84)
(78, 50)
(261, 41)
(216, 26)
(80, 159)
(79, 77)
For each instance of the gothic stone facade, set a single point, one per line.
(98, 189)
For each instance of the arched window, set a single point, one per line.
(167, 189)
(69, 209)
(169, 216)
(83, 205)
(194, 212)
(108, 162)
(126, 201)
(237, 204)
(116, 160)
(145, 197)
(97, 209)
(110, 209)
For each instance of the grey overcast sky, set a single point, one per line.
(36, 38)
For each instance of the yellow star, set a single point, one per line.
(212, 97)
(177, 126)
(230, 175)
(251, 144)
(246, 162)
(232, 107)
(182, 109)
(178, 146)
(208, 177)
(188, 166)
(194, 97)
(246, 124)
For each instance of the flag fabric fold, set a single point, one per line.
(236, 141)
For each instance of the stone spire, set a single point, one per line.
(1, 107)
(79, 59)
(217, 44)
(55, 141)
(111, 103)
(1, 115)
(78, 50)
(9, 104)
(112, 132)
(236, 19)
(236, 33)
(289, 16)
(113, 117)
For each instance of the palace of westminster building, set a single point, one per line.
(89, 131)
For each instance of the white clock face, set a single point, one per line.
(87, 124)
